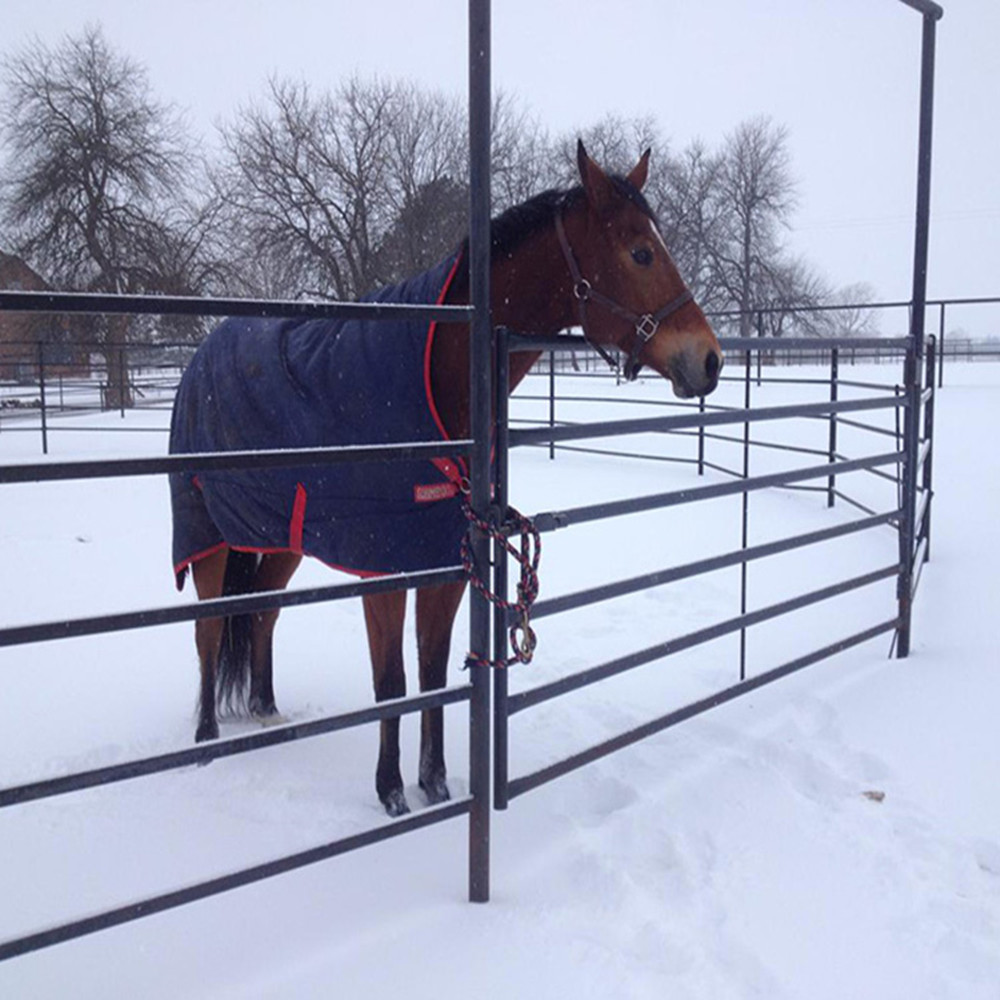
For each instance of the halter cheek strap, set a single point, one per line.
(645, 325)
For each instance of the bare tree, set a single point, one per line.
(853, 318)
(788, 292)
(314, 184)
(691, 219)
(92, 162)
(429, 225)
(302, 181)
(615, 142)
(755, 197)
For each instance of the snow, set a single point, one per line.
(737, 855)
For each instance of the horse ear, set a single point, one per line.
(595, 181)
(637, 178)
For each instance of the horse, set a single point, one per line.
(590, 256)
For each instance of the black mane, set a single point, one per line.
(514, 226)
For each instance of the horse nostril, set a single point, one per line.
(712, 364)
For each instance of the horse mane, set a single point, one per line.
(514, 226)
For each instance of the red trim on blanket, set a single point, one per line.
(180, 570)
(297, 525)
(182, 567)
(452, 470)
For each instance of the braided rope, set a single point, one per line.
(522, 636)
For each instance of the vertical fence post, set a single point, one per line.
(940, 364)
(500, 642)
(41, 397)
(831, 483)
(928, 478)
(552, 400)
(480, 390)
(745, 514)
(760, 353)
(701, 438)
(907, 533)
(123, 382)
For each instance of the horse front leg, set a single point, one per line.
(384, 614)
(436, 610)
(274, 573)
(208, 574)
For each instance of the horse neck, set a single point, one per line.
(530, 293)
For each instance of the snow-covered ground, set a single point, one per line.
(738, 855)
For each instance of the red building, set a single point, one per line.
(22, 333)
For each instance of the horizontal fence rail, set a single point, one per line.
(235, 880)
(623, 588)
(39, 472)
(552, 520)
(642, 425)
(265, 600)
(528, 782)
(86, 303)
(661, 650)
(204, 753)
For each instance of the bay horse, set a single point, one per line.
(591, 255)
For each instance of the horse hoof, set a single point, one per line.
(435, 790)
(261, 709)
(207, 731)
(395, 803)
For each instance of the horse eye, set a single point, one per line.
(643, 256)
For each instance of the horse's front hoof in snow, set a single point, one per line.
(435, 788)
(265, 712)
(395, 803)
(206, 731)
(261, 708)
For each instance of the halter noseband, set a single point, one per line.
(645, 325)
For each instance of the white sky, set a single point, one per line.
(843, 75)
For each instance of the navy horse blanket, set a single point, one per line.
(288, 383)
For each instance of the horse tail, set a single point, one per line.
(233, 675)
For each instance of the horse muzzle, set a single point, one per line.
(695, 373)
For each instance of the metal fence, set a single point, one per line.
(820, 470)
(909, 453)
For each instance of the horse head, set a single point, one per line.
(629, 293)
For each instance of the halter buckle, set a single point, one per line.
(646, 327)
(582, 289)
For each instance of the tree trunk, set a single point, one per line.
(116, 393)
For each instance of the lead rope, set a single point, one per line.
(522, 636)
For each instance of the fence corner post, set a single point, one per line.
(481, 386)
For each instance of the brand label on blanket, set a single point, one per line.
(434, 491)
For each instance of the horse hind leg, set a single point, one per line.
(274, 573)
(436, 610)
(208, 573)
(384, 614)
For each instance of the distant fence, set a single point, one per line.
(48, 389)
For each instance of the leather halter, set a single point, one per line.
(645, 325)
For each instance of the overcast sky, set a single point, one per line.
(843, 75)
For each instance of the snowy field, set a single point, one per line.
(836, 835)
